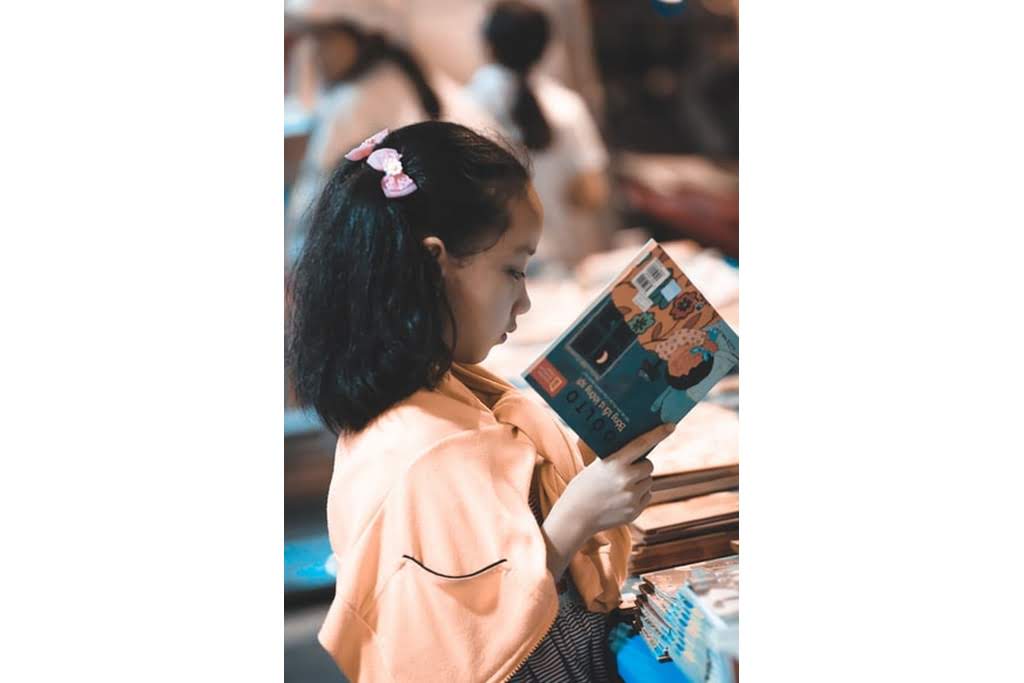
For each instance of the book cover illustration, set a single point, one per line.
(644, 353)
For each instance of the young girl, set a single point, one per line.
(474, 540)
(569, 158)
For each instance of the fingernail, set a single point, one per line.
(670, 427)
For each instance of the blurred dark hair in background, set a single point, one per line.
(517, 34)
(374, 48)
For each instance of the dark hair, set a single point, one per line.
(368, 308)
(517, 34)
(695, 376)
(375, 48)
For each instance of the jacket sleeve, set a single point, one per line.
(586, 451)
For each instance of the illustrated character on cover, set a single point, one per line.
(686, 335)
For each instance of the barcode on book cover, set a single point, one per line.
(648, 279)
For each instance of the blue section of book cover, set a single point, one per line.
(644, 354)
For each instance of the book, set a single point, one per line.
(707, 608)
(673, 481)
(641, 540)
(692, 489)
(644, 353)
(723, 505)
(667, 582)
(685, 550)
(690, 614)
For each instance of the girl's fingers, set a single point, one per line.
(641, 445)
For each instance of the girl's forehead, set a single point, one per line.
(527, 215)
(533, 201)
(521, 237)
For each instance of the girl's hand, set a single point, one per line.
(615, 490)
(606, 494)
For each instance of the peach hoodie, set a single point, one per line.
(442, 568)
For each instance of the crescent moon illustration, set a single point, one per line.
(603, 358)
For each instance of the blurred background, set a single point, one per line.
(629, 111)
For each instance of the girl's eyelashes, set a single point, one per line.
(516, 274)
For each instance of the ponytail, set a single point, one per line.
(517, 34)
(528, 116)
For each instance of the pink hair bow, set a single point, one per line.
(395, 183)
(366, 146)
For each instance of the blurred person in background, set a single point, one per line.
(569, 158)
(363, 79)
(569, 58)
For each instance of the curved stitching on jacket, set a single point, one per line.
(448, 576)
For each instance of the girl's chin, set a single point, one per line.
(473, 359)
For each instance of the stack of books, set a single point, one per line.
(694, 510)
(690, 615)
(684, 531)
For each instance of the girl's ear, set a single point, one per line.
(436, 248)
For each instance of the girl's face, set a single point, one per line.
(487, 291)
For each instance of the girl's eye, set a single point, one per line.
(516, 274)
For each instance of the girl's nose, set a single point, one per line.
(523, 303)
